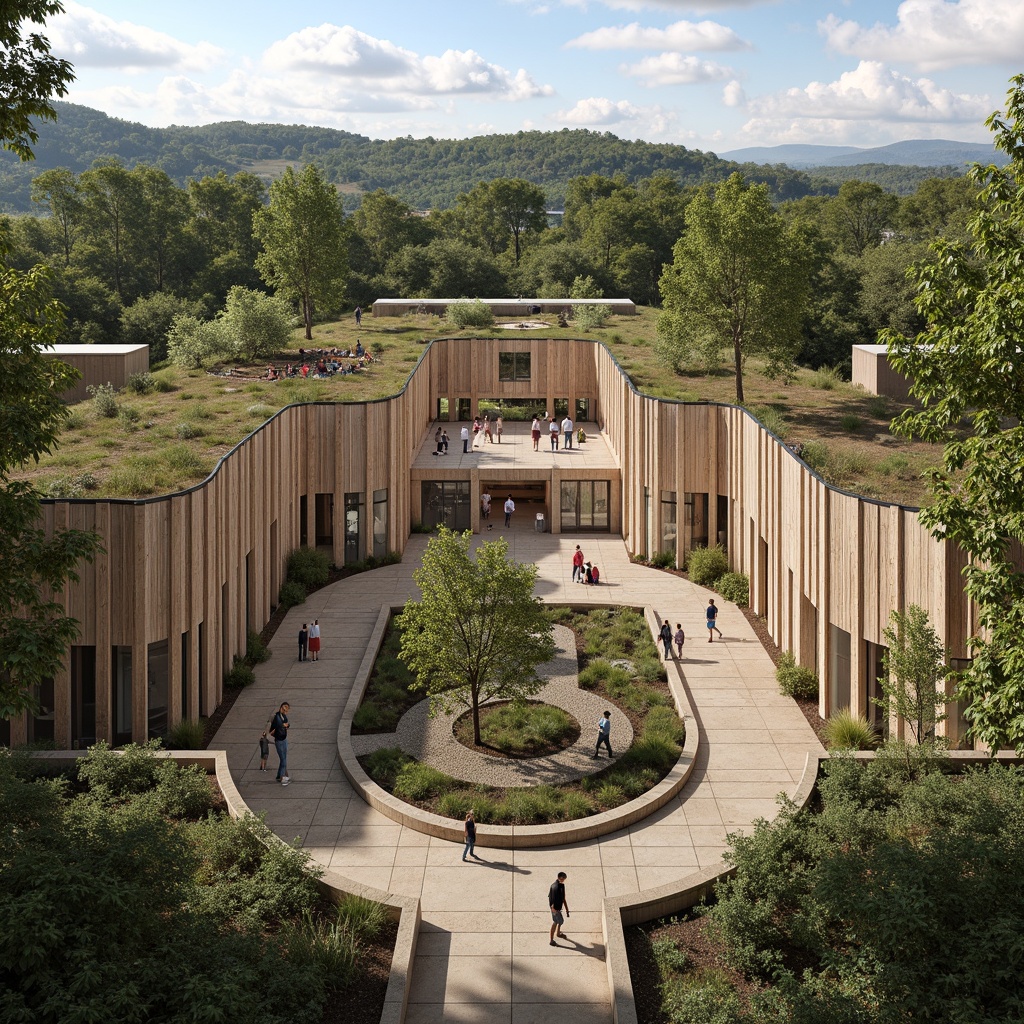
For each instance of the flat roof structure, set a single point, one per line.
(100, 364)
(499, 307)
(871, 370)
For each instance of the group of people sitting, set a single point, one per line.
(325, 364)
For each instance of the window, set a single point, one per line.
(668, 522)
(380, 523)
(83, 696)
(839, 669)
(695, 520)
(513, 366)
(584, 505)
(446, 502)
(355, 510)
(40, 726)
(157, 692)
(122, 695)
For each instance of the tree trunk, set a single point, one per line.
(476, 721)
(307, 317)
(737, 349)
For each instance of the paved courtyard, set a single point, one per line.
(483, 952)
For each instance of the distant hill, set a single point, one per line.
(913, 152)
(427, 173)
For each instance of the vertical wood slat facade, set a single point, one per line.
(199, 568)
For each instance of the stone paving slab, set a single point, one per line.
(501, 901)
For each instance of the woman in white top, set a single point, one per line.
(314, 641)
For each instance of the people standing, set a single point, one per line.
(557, 902)
(553, 431)
(303, 642)
(465, 440)
(438, 442)
(712, 620)
(577, 563)
(279, 730)
(485, 505)
(510, 507)
(314, 640)
(469, 831)
(499, 426)
(535, 432)
(264, 751)
(665, 635)
(359, 316)
(444, 442)
(477, 427)
(487, 429)
(604, 735)
(680, 639)
(567, 431)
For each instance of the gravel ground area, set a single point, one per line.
(432, 740)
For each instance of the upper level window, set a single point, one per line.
(513, 366)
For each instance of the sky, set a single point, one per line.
(707, 74)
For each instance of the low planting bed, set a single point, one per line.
(618, 661)
(128, 893)
(524, 729)
(892, 898)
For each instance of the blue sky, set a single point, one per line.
(716, 75)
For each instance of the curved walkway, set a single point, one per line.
(483, 953)
(430, 739)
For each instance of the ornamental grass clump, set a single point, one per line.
(846, 731)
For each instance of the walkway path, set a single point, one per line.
(483, 953)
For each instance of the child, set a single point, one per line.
(264, 751)
(680, 639)
(595, 574)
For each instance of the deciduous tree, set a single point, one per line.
(477, 634)
(967, 370)
(738, 277)
(255, 324)
(305, 256)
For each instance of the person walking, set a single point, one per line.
(314, 640)
(303, 642)
(444, 442)
(487, 429)
(510, 507)
(711, 615)
(469, 831)
(465, 440)
(557, 902)
(359, 316)
(485, 505)
(499, 426)
(567, 431)
(438, 442)
(577, 563)
(604, 735)
(665, 635)
(680, 639)
(535, 433)
(279, 730)
(553, 431)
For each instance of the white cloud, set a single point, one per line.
(733, 94)
(346, 53)
(676, 69)
(874, 91)
(936, 34)
(682, 35)
(598, 112)
(90, 39)
(672, 5)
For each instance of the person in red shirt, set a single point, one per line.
(577, 563)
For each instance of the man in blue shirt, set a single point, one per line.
(604, 734)
(279, 730)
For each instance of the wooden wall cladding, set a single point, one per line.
(210, 560)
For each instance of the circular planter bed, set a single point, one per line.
(510, 729)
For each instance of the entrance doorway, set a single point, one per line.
(584, 505)
(530, 498)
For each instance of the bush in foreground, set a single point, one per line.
(794, 680)
(309, 567)
(707, 566)
(735, 587)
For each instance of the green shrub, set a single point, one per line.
(128, 418)
(458, 804)
(707, 565)
(795, 680)
(654, 752)
(879, 407)
(187, 734)
(261, 411)
(587, 317)
(664, 560)
(610, 795)
(669, 957)
(576, 805)
(650, 670)
(328, 947)
(370, 716)
(418, 781)
(163, 382)
(632, 779)
(469, 313)
(240, 674)
(256, 651)
(663, 723)
(817, 455)
(602, 673)
(846, 731)
(894, 465)
(185, 460)
(75, 419)
(826, 378)
(735, 587)
(362, 918)
(523, 727)
(385, 763)
(850, 423)
(104, 401)
(309, 567)
(187, 431)
(771, 419)
(703, 997)
(62, 486)
(291, 594)
(140, 383)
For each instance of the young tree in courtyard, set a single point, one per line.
(305, 255)
(477, 634)
(915, 673)
(967, 370)
(738, 277)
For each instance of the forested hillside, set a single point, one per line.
(426, 173)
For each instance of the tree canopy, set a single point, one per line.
(967, 369)
(304, 243)
(738, 278)
(477, 634)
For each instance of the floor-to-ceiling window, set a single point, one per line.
(446, 503)
(584, 505)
